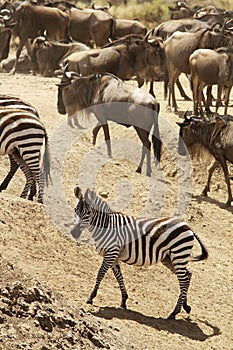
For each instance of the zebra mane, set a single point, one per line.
(97, 202)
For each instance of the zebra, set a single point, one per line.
(22, 135)
(136, 241)
(16, 102)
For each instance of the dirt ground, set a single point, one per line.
(46, 275)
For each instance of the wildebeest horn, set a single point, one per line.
(7, 14)
(148, 34)
(186, 118)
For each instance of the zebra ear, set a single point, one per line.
(89, 196)
(78, 192)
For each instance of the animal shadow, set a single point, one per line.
(185, 327)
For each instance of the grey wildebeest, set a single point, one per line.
(5, 33)
(180, 46)
(124, 27)
(48, 54)
(211, 67)
(130, 56)
(110, 99)
(214, 135)
(91, 25)
(32, 20)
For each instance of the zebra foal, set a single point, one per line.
(136, 241)
(21, 137)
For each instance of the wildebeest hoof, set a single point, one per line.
(89, 301)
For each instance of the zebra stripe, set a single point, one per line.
(17, 103)
(136, 241)
(22, 136)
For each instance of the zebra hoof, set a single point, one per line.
(187, 308)
(89, 301)
(172, 316)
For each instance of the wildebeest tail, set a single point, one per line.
(47, 161)
(157, 144)
(165, 84)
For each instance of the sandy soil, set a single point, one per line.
(46, 276)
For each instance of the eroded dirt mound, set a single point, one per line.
(33, 317)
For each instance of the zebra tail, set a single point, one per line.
(204, 253)
(46, 161)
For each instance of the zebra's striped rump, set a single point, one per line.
(137, 241)
(22, 136)
(17, 103)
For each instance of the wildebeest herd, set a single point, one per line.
(93, 54)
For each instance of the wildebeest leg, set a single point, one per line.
(208, 99)
(227, 179)
(227, 98)
(13, 168)
(95, 132)
(151, 90)
(144, 137)
(219, 97)
(213, 166)
(107, 139)
(18, 52)
(106, 136)
(171, 94)
(182, 92)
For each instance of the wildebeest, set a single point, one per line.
(182, 10)
(23, 65)
(214, 135)
(128, 57)
(210, 67)
(32, 20)
(48, 54)
(180, 46)
(90, 25)
(5, 33)
(124, 27)
(110, 99)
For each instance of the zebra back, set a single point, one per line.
(17, 103)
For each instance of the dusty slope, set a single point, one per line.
(33, 241)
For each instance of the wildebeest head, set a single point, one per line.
(66, 80)
(67, 94)
(188, 133)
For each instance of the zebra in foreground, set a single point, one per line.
(136, 241)
(10, 101)
(21, 137)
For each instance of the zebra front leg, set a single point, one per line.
(13, 168)
(107, 263)
(184, 281)
(117, 273)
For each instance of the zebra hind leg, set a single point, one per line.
(27, 172)
(13, 168)
(119, 277)
(184, 281)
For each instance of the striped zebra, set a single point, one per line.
(21, 137)
(136, 241)
(10, 101)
